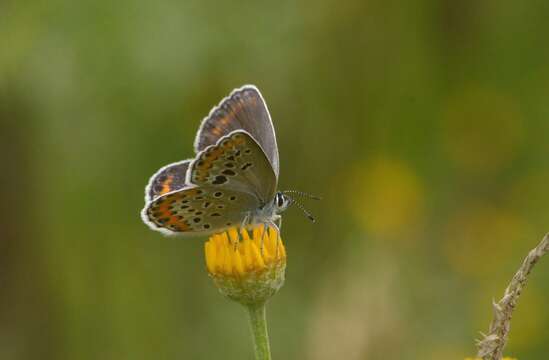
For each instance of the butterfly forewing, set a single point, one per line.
(199, 210)
(238, 163)
(243, 109)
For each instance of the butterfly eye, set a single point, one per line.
(279, 200)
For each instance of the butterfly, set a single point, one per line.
(232, 180)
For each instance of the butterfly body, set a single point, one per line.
(232, 180)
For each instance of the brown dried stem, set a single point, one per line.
(491, 346)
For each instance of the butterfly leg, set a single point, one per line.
(279, 226)
(245, 223)
(263, 234)
(266, 227)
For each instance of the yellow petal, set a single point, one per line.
(228, 263)
(233, 235)
(210, 250)
(248, 258)
(238, 263)
(256, 255)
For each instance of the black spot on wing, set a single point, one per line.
(228, 172)
(246, 166)
(219, 179)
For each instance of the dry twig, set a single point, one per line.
(491, 346)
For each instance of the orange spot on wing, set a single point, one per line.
(184, 226)
(164, 207)
(228, 144)
(166, 185)
(239, 140)
(164, 212)
(189, 192)
(211, 156)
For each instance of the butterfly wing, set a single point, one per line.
(243, 109)
(235, 171)
(198, 210)
(236, 162)
(169, 178)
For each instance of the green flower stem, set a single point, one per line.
(258, 325)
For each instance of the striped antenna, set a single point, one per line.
(302, 208)
(302, 194)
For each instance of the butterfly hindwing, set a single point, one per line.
(169, 178)
(198, 210)
(243, 109)
(235, 162)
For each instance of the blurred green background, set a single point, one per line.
(424, 125)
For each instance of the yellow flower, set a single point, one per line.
(247, 265)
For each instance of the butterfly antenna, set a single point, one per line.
(302, 194)
(302, 208)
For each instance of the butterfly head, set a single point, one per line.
(283, 200)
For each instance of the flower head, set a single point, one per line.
(247, 265)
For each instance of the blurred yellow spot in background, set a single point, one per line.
(386, 198)
(377, 330)
(527, 196)
(478, 236)
(529, 320)
(482, 130)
